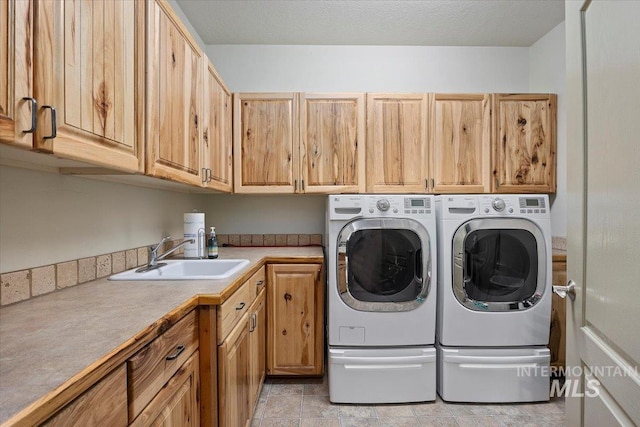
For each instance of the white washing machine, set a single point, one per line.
(494, 297)
(381, 268)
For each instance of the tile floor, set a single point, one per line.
(305, 403)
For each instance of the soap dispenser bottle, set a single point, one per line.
(212, 244)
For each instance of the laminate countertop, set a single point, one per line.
(48, 340)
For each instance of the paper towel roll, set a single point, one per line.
(193, 222)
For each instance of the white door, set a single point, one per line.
(603, 112)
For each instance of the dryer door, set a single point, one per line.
(383, 264)
(499, 264)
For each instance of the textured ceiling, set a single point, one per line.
(361, 22)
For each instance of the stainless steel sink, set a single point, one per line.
(188, 269)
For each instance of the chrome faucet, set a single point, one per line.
(154, 257)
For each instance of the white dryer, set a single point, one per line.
(494, 297)
(381, 268)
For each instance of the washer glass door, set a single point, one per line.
(383, 264)
(499, 264)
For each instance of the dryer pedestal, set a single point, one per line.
(493, 375)
(382, 375)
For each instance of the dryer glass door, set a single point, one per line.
(499, 265)
(383, 265)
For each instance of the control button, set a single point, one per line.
(428, 211)
(414, 211)
(486, 210)
(395, 210)
(543, 211)
(383, 205)
(523, 211)
(498, 204)
(510, 210)
(370, 210)
(421, 211)
(536, 211)
(407, 211)
(529, 210)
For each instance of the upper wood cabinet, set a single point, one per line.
(16, 73)
(82, 63)
(174, 97)
(217, 161)
(524, 149)
(460, 143)
(332, 143)
(265, 143)
(397, 154)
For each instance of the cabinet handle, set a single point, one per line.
(54, 127)
(204, 175)
(209, 175)
(240, 306)
(497, 183)
(253, 323)
(302, 185)
(259, 282)
(295, 185)
(174, 356)
(433, 184)
(426, 184)
(34, 114)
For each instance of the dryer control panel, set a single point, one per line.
(379, 206)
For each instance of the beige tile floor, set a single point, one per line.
(305, 403)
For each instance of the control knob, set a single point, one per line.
(383, 205)
(498, 204)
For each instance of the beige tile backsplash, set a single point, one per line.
(21, 285)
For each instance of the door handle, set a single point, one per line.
(54, 125)
(34, 114)
(564, 291)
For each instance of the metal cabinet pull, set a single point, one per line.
(302, 185)
(295, 185)
(54, 127)
(241, 306)
(564, 291)
(34, 114)
(209, 175)
(174, 356)
(253, 323)
(259, 282)
(204, 175)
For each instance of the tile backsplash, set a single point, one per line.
(21, 285)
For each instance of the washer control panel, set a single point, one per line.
(513, 205)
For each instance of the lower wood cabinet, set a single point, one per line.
(241, 364)
(177, 403)
(295, 313)
(105, 403)
(557, 336)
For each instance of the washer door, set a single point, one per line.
(383, 264)
(499, 264)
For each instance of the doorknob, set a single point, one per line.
(563, 291)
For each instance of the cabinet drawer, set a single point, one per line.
(238, 304)
(151, 367)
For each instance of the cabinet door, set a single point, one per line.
(257, 348)
(524, 146)
(89, 67)
(105, 403)
(233, 376)
(176, 404)
(332, 146)
(295, 328)
(216, 133)
(460, 143)
(266, 143)
(174, 97)
(16, 49)
(397, 156)
(557, 335)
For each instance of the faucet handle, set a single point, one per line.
(154, 248)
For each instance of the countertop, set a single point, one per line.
(49, 340)
(559, 255)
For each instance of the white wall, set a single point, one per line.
(47, 218)
(264, 68)
(547, 74)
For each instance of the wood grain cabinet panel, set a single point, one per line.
(217, 144)
(104, 404)
(332, 145)
(176, 404)
(557, 335)
(257, 347)
(460, 143)
(295, 310)
(233, 376)
(524, 146)
(266, 137)
(16, 72)
(397, 138)
(174, 97)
